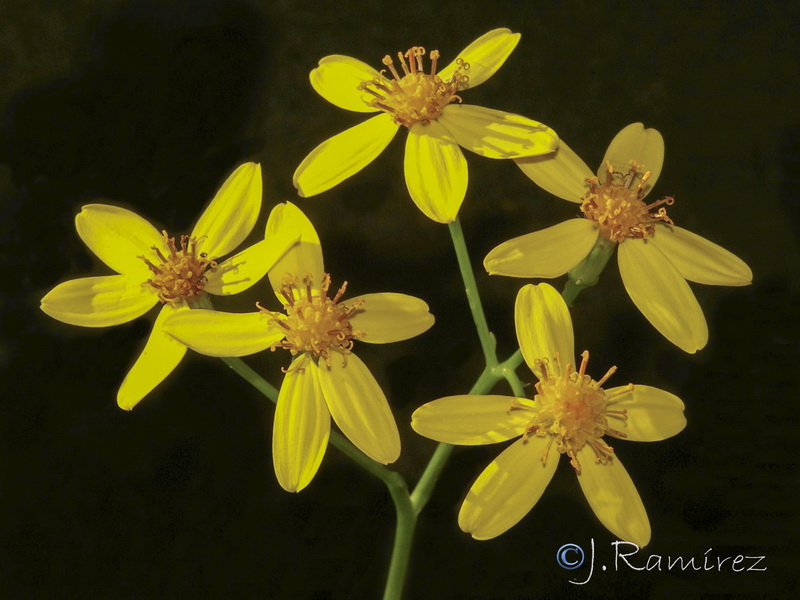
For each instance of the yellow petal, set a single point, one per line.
(99, 301)
(359, 407)
(544, 328)
(304, 256)
(699, 260)
(548, 253)
(485, 55)
(662, 294)
(301, 427)
(614, 498)
(652, 414)
(436, 171)
(231, 215)
(389, 317)
(337, 79)
(343, 155)
(508, 488)
(497, 134)
(473, 420)
(118, 237)
(160, 356)
(562, 173)
(634, 142)
(242, 270)
(216, 333)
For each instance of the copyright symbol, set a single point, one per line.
(569, 556)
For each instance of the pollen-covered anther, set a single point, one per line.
(180, 276)
(314, 323)
(617, 205)
(573, 410)
(415, 96)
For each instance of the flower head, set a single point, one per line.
(427, 102)
(153, 268)
(570, 414)
(319, 329)
(656, 257)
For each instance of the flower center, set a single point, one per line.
(181, 275)
(574, 410)
(416, 97)
(617, 207)
(313, 322)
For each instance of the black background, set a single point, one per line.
(150, 104)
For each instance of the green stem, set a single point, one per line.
(471, 289)
(408, 508)
(424, 488)
(587, 272)
(403, 537)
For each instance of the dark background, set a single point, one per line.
(150, 104)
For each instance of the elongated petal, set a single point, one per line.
(436, 171)
(484, 56)
(302, 257)
(216, 333)
(651, 414)
(389, 317)
(231, 215)
(337, 79)
(662, 294)
(99, 301)
(301, 428)
(497, 134)
(343, 155)
(473, 420)
(562, 173)
(118, 237)
(614, 498)
(548, 253)
(242, 270)
(508, 488)
(699, 260)
(160, 356)
(360, 409)
(544, 328)
(634, 142)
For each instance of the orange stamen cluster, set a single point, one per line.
(417, 96)
(313, 322)
(180, 276)
(573, 409)
(617, 207)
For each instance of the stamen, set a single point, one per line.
(179, 277)
(605, 377)
(618, 208)
(403, 62)
(416, 96)
(434, 58)
(314, 323)
(573, 410)
(584, 362)
(387, 60)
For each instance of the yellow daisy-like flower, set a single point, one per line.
(570, 414)
(428, 104)
(326, 379)
(656, 257)
(153, 268)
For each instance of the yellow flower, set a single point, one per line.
(326, 379)
(152, 267)
(655, 256)
(428, 104)
(568, 415)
